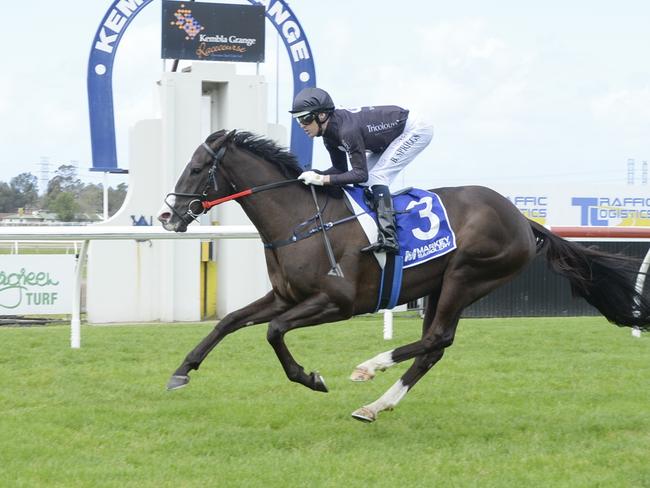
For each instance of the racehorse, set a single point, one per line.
(494, 243)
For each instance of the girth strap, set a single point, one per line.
(391, 282)
(298, 236)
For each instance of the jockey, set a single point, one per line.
(379, 141)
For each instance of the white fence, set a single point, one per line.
(86, 234)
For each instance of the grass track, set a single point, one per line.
(517, 402)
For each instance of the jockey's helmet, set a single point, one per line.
(311, 100)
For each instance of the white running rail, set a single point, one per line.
(85, 234)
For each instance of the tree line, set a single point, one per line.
(66, 196)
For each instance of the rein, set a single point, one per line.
(296, 235)
(205, 204)
(202, 198)
(208, 204)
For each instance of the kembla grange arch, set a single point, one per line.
(100, 73)
(199, 99)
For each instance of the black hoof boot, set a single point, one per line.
(318, 383)
(176, 382)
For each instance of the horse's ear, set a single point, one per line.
(231, 134)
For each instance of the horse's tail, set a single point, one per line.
(607, 281)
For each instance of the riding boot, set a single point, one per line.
(386, 226)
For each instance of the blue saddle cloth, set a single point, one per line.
(423, 228)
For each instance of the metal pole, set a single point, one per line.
(105, 196)
(75, 322)
(388, 324)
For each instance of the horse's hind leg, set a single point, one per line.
(390, 399)
(367, 370)
(461, 287)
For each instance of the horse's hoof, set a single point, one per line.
(318, 383)
(364, 415)
(361, 374)
(176, 382)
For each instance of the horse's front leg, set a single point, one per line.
(262, 310)
(315, 310)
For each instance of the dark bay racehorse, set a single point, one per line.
(494, 243)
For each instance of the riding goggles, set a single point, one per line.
(307, 119)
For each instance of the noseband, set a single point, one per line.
(200, 198)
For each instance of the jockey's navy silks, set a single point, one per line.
(355, 131)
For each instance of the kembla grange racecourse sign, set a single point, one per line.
(110, 32)
(212, 31)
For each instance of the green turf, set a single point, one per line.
(517, 402)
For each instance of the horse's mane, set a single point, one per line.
(266, 149)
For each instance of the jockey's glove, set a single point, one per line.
(312, 178)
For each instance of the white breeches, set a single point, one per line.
(383, 168)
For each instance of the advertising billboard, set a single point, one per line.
(582, 205)
(36, 284)
(213, 31)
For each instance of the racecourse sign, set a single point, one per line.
(100, 75)
(212, 31)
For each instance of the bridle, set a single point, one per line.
(200, 198)
(205, 204)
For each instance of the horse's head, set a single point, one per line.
(199, 182)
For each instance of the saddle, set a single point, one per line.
(423, 230)
(423, 227)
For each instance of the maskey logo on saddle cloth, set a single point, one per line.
(423, 228)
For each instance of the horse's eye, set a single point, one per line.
(195, 170)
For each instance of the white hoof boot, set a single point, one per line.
(361, 374)
(364, 415)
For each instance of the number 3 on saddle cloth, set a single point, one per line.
(423, 230)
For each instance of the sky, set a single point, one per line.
(518, 92)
